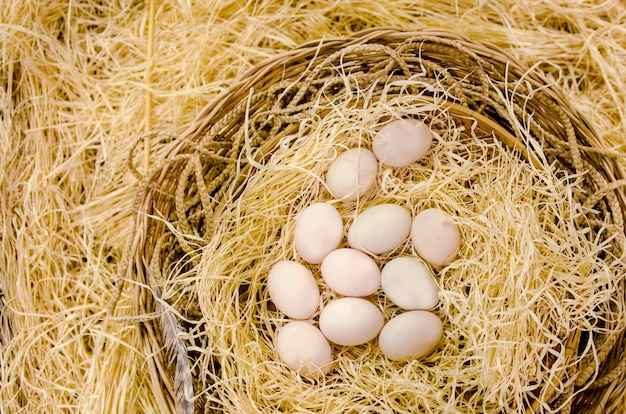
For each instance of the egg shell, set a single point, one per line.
(435, 236)
(408, 283)
(410, 335)
(350, 321)
(380, 229)
(318, 231)
(402, 142)
(350, 272)
(352, 173)
(293, 289)
(303, 348)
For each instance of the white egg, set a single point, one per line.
(402, 142)
(380, 229)
(303, 348)
(293, 289)
(351, 174)
(410, 335)
(435, 236)
(408, 283)
(318, 231)
(351, 321)
(350, 272)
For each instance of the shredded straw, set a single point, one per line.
(79, 81)
(527, 280)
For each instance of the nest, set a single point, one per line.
(219, 207)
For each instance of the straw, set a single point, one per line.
(301, 109)
(73, 101)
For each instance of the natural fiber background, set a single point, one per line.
(81, 80)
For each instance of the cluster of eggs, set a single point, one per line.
(353, 273)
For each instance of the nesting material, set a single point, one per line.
(527, 279)
(532, 305)
(81, 79)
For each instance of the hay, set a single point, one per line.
(302, 108)
(73, 97)
(520, 289)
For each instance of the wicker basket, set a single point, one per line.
(184, 186)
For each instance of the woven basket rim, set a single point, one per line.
(162, 176)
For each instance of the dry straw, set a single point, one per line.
(77, 84)
(533, 309)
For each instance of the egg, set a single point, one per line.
(350, 272)
(380, 229)
(293, 289)
(435, 236)
(410, 335)
(350, 321)
(408, 283)
(352, 173)
(402, 142)
(303, 348)
(318, 231)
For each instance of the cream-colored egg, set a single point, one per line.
(303, 348)
(402, 142)
(435, 236)
(351, 321)
(410, 335)
(408, 283)
(318, 231)
(352, 173)
(350, 272)
(380, 229)
(293, 289)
